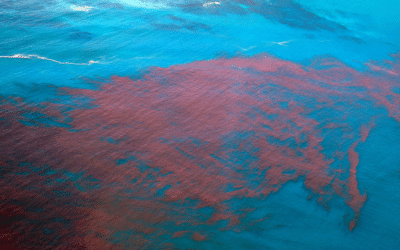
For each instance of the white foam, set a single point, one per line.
(249, 48)
(211, 3)
(21, 56)
(81, 8)
(282, 43)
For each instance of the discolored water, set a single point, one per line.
(199, 125)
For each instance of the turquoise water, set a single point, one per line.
(65, 44)
(133, 38)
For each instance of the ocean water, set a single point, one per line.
(199, 125)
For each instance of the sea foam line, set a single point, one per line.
(211, 3)
(83, 8)
(21, 56)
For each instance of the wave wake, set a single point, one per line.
(22, 56)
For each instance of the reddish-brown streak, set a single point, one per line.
(209, 101)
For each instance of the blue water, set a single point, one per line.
(128, 40)
(128, 37)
